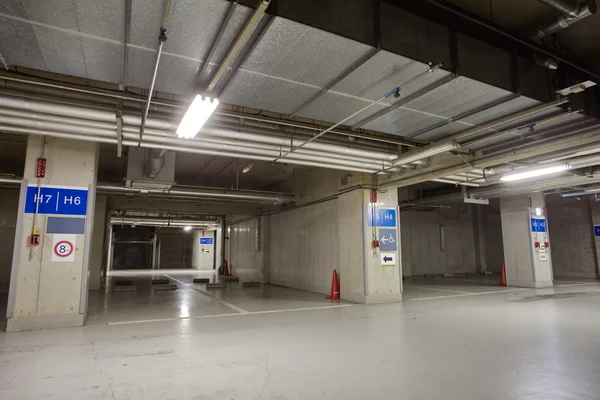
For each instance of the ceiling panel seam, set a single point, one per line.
(348, 71)
(80, 41)
(28, 22)
(440, 82)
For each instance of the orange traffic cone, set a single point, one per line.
(335, 287)
(225, 269)
(502, 276)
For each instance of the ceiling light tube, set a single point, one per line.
(196, 116)
(535, 173)
(426, 152)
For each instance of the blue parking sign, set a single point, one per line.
(56, 200)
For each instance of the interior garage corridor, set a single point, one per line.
(283, 199)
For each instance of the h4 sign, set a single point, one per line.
(382, 216)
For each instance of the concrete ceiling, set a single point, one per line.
(291, 63)
(582, 38)
(204, 170)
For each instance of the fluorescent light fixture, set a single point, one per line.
(247, 168)
(425, 152)
(580, 87)
(535, 173)
(196, 116)
(187, 228)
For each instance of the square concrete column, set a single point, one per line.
(98, 238)
(526, 241)
(369, 274)
(48, 287)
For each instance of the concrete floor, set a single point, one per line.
(452, 338)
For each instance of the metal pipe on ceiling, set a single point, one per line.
(507, 119)
(83, 116)
(162, 38)
(185, 149)
(63, 91)
(571, 12)
(200, 192)
(156, 157)
(258, 149)
(585, 192)
(163, 223)
(342, 157)
(524, 42)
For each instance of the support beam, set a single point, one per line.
(215, 43)
(256, 37)
(239, 43)
(439, 83)
(466, 114)
(360, 62)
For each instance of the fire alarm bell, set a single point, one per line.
(34, 239)
(375, 244)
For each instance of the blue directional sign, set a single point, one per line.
(56, 200)
(596, 230)
(388, 239)
(206, 240)
(382, 217)
(538, 225)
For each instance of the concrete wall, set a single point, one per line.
(9, 201)
(246, 249)
(175, 248)
(421, 248)
(572, 236)
(305, 247)
(489, 236)
(203, 255)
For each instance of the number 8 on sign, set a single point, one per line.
(63, 248)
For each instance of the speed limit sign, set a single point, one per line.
(63, 248)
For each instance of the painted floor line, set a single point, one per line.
(470, 294)
(142, 321)
(225, 303)
(579, 284)
(440, 290)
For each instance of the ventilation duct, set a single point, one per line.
(150, 168)
(570, 12)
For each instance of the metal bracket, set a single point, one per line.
(473, 200)
(119, 129)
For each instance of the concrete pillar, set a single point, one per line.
(525, 235)
(203, 249)
(594, 208)
(48, 287)
(98, 237)
(365, 277)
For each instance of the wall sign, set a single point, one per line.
(596, 230)
(388, 239)
(206, 240)
(56, 200)
(63, 248)
(538, 225)
(381, 216)
(388, 259)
